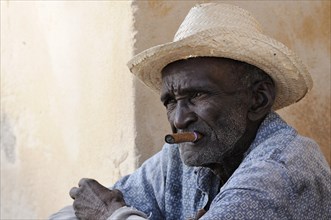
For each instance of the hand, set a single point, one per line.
(94, 201)
(199, 214)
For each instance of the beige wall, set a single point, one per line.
(304, 26)
(70, 108)
(66, 101)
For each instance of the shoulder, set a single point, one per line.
(285, 172)
(279, 143)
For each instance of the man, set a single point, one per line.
(222, 79)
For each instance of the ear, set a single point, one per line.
(263, 97)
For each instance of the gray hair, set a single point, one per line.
(252, 74)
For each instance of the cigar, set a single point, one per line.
(182, 137)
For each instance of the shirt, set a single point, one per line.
(283, 176)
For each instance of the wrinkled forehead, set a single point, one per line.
(214, 70)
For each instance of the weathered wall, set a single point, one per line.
(304, 26)
(66, 101)
(71, 109)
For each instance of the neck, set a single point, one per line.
(231, 161)
(226, 168)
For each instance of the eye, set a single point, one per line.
(196, 95)
(170, 103)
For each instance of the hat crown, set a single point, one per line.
(221, 30)
(215, 15)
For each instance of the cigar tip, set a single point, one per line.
(169, 139)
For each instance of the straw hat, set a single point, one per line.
(222, 30)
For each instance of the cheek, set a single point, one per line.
(170, 116)
(210, 112)
(231, 127)
(216, 111)
(227, 122)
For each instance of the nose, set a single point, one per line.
(184, 116)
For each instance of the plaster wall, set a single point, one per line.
(71, 109)
(304, 26)
(66, 101)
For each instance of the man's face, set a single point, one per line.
(204, 95)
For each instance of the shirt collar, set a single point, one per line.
(270, 125)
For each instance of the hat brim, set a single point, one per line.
(291, 77)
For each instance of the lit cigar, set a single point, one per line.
(182, 137)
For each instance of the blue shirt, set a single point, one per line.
(282, 176)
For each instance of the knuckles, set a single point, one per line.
(73, 192)
(86, 181)
(83, 185)
(90, 188)
(117, 193)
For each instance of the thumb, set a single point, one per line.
(200, 213)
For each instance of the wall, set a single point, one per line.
(71, 109)
(66, 101)
(304, 26)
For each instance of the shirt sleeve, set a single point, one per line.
(66, 213)
(124, 213)
(145, 188)
(128, 213)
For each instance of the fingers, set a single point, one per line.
(117, 193)
(85, 181)
(90, 185)
(73, 192)
(94, 201)
(200, 213)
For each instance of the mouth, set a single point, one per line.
(183, 137)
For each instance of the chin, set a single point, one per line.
(192, 161)
(189, 158)
(192, 164)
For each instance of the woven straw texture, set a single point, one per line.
(222, 30)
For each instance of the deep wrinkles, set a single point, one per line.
(222, 141)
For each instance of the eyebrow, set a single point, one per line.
(192, 89)
(164, 97)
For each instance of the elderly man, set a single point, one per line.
(220, 81)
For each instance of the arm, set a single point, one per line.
(127, 213)
(142, 190)
(145, 188)
(66, 213)
(94, 201)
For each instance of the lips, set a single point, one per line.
(183, 137)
